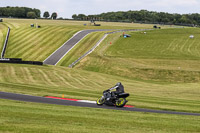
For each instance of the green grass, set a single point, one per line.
(73, 83)
(37, 44)
(161, 55)
(81, 48)
(3, 33)
(159, 44)
(33, 117)
(160, 70)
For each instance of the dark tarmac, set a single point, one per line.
(55, 57)
(36, 99)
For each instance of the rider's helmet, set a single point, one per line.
(118, 84)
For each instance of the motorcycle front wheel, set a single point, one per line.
(100, 101)
(120, 102)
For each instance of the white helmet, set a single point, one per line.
(118, 84)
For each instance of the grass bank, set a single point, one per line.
(33, 117)
(38, 43)
(167, 55)
(80, 84)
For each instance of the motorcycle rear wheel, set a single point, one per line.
(120, 102)
(100, 101)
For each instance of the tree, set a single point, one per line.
(46, 14)
(18, 12)
(31, 15)
(74, 16)
(54, 15)
(184, 19)
(81, 16)
(37, 12)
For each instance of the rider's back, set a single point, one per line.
(120, 88)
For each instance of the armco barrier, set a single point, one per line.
(5, 44)
(19, 61)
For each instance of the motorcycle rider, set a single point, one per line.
(114, 98)
(119, 89)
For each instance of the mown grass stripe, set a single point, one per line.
(12, 51)
(34, 56)
(12, 72)
(40, 44)
(34, 37)
(17, 34)
(8, 24)
(190, 46)
(30, 76)
(61, 79)
(51, 42)
(45, 77)
(197, 49)
(29, 32)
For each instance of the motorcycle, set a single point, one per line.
(118, 100)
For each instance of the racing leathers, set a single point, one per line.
(119, 89)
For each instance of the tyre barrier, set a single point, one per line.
(19, 61)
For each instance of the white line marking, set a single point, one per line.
(70, 49)
(88, 52)
(63, 45)
(86, 101)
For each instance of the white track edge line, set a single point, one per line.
(63, 45)
(70, 49)
(98, 43)
(87, 101)
(87, 53)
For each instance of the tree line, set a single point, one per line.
(143, 16)
(24, 12)
(19, 12)
(47, 15)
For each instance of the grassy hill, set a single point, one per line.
(55, 81)
(38, 43)
(167, 55)
(160, 70)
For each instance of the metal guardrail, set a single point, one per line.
(97, 44)
(5, 44)
(88, 52)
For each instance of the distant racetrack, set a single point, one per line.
(54, 58)
(28, 98)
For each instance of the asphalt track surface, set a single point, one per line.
(28, 98)
(55, 57)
